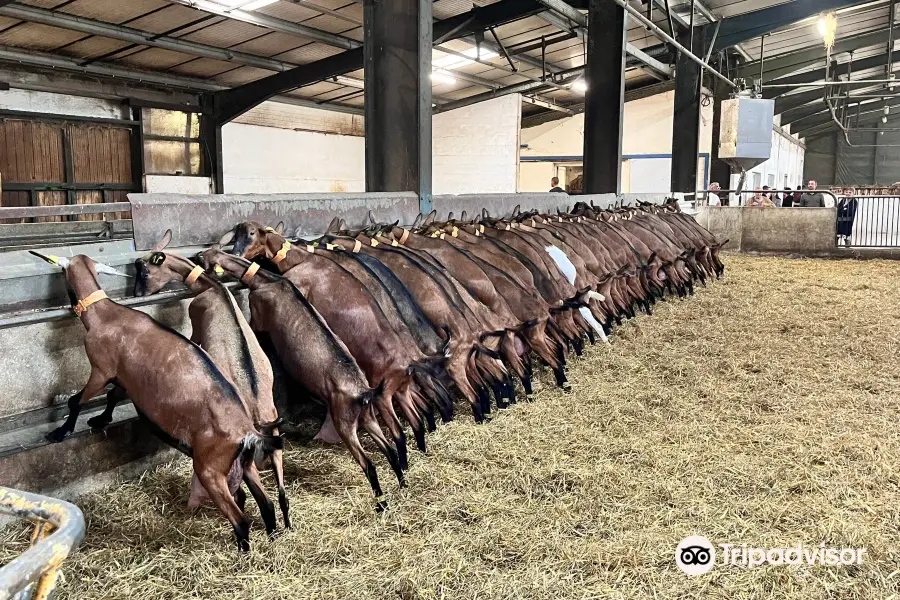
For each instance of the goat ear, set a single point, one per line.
(279, 229)
(450, 216)
(371, 218)
(333, 226)
(430, 218)
(484, 213)
(462, 217)
(516, 211)
(227, 238)
(164, 242)
(418, 220)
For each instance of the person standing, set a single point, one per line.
(846, 213)
(759, 199)
(788, 200)
(554, 181)
(712, 196)
(812, 198)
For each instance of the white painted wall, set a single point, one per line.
(475, 149)
(62, 104)
(271, 160)
(647, 131)
(176, 184)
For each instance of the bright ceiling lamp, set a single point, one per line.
(828, 29)
(579, 86)
(442, 77)
(454, 61)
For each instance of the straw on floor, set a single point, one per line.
(763, 410)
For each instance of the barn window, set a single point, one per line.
(171, 142)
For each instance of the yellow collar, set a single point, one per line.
(357, 246)
(194, 275)
(93, 298)
(405, 236)
(373, 242)
(251, 271)
(281, 254)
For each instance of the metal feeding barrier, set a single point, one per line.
(741, 193)
(874, 221)
(58, 530)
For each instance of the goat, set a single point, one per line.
(175, 385)
(219, 327)
(314, 357)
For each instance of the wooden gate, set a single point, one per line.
(46, 162)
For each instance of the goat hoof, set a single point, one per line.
(98, 422)
(57, 435)
(529, 398)
(567, 387)
(381, 506)
(243, 545)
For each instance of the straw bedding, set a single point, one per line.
(764, 410)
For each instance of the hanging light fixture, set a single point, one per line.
(828, 29)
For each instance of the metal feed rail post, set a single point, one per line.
(58, 529)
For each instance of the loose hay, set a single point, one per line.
(763, 410)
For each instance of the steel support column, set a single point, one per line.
(397, 46)
(720, 171)
(211, 145)
(605, 97)
(686, 122)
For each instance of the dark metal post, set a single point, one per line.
(604, 101)
(211, 145)
(686, 122)
(137, 148)
(397, 46)
(719, 170)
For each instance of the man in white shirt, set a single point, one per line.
(712, 197)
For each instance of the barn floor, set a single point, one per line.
(763, 411)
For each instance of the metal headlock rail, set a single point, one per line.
(58, 530)
(769, 191)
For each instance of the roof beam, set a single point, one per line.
(332, 39)
(227, 105)
(831, 126)
(558, 18)
(785, 64)
(136, 36)
(870, 109)
(747, 26)
(819, 75)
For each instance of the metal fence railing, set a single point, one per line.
(871, 221)
(58, 529)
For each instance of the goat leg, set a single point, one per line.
(95, 385)
(113, 397)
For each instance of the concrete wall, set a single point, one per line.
(279, 149)
(16, 99)
(176, 184)
(646, 145)
(790, 230)
(272, 160)
(476, 148)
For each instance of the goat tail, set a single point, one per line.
(369, 396)
(267, 428)
(258, 446)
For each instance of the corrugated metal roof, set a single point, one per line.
(159, 16)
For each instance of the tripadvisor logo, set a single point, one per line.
(696, 555)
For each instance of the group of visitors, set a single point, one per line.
(773, 198)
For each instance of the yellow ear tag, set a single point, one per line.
(442, 235)
(357, 246)
(532, 223)
(270, 230)
(374, 242)
(455, 232)
(53, 259)
(394, 243)
(219, 270)
(507, 228)
(435, 234)
(329, 246)
(310, 248)
(481, 228)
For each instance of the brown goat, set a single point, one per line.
(314, 357)
(174, 385)
(219, 327)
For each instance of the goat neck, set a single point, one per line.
(82, 281)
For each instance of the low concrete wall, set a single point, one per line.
(809, 231)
